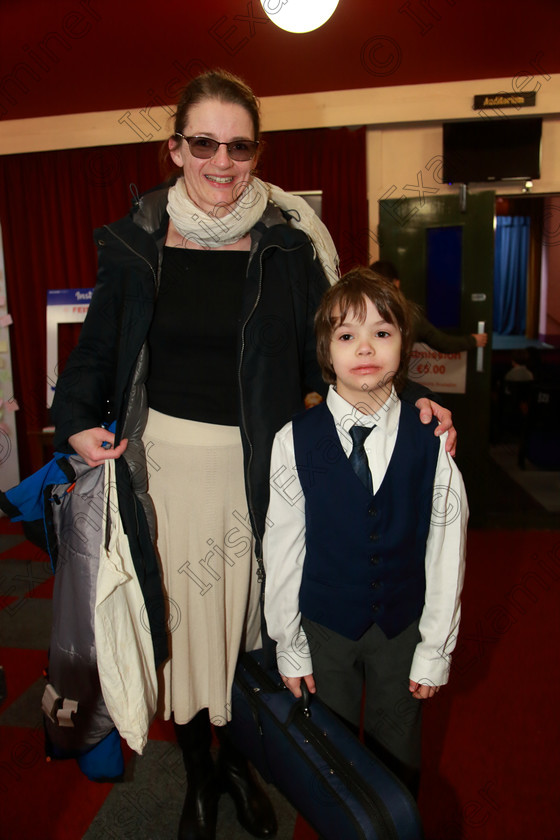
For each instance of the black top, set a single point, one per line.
(193, 336)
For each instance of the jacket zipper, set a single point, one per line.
(260, 572)
(154, 274)
(130, 248)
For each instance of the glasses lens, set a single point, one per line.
(202, 147)
(242, 149)
(205, 147)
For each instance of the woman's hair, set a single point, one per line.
(220, 85)
(348, 295)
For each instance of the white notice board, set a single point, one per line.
(443, 373)
(64, 306)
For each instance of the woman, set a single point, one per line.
(199, 344)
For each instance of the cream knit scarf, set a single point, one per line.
(211, 231)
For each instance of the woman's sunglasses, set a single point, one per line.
(205, 147)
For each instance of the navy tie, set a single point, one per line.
(358, 458)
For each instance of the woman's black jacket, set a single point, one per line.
(276, 361)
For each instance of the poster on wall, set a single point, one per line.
(64, 306)
(9, 466)
(443, 373)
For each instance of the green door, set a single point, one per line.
(444, 253)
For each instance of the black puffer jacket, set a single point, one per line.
(103, 379)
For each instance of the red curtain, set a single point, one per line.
(331, 160)
(50, 202)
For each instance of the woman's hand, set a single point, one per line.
(429, 409)
(96, 445)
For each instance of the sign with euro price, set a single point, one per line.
(443, 373)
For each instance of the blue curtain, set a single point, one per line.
(511, 254)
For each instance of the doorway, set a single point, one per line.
(439, 237)
(443, 248)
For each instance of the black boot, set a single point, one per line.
(254, 809)
(200, 810)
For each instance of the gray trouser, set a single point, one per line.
(343, 669)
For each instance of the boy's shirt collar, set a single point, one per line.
(346, 415)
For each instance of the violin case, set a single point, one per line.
(341, 789)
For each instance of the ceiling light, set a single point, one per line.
(299, 15)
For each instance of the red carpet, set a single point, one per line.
(491, 737)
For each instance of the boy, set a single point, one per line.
(364, 550)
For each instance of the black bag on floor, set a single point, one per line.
(341, 789)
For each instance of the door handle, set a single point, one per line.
(480, 350)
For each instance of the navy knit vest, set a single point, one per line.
(364, 561)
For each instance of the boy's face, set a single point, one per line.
(365, 356)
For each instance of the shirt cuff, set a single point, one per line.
(430, 671)
(294, 659)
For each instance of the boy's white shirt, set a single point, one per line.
(284, 544)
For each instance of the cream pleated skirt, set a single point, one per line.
(205, 544)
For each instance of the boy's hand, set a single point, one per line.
(422, 692)
(429, 409)
(293, 683)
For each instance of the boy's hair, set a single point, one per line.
(348, 296)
